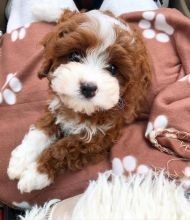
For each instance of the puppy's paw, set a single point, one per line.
(18, 163)
(33, 180)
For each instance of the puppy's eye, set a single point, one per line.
(75, 57)
(112, 69)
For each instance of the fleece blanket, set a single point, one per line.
(156, 141)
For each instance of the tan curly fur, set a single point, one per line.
(134, 76)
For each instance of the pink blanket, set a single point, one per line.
(158, 140)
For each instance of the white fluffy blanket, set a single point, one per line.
(153, 197)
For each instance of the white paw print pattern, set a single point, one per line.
(160, 122)
(187, 171)
(185, 181)
(8, 94)
(161, 30)
(185, 78)
(128, 164)
(19, 34)
(159, 128)
(22, 205)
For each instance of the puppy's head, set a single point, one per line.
(93, 61)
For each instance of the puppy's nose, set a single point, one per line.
(88, 89)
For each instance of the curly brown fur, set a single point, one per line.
(72, 152)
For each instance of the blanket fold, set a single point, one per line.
(166, 34)
(170, 131)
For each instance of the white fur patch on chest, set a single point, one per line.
(69, 127)
(86, 129)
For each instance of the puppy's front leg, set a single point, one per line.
(31, 147)
(69, 153)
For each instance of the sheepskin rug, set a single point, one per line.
(150, 197)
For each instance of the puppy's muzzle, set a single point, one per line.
(88, 90)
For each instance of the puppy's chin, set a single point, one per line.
(79, 105)
(84, 106)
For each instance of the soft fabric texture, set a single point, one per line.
(134, 197)
(23, 97)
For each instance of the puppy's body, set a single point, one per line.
(98, 73)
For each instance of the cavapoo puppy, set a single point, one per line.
(99, 73)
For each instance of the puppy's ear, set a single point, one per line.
(48, 37)
(67, 14)
(49, 41)
(47, 63)
(45, 68)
